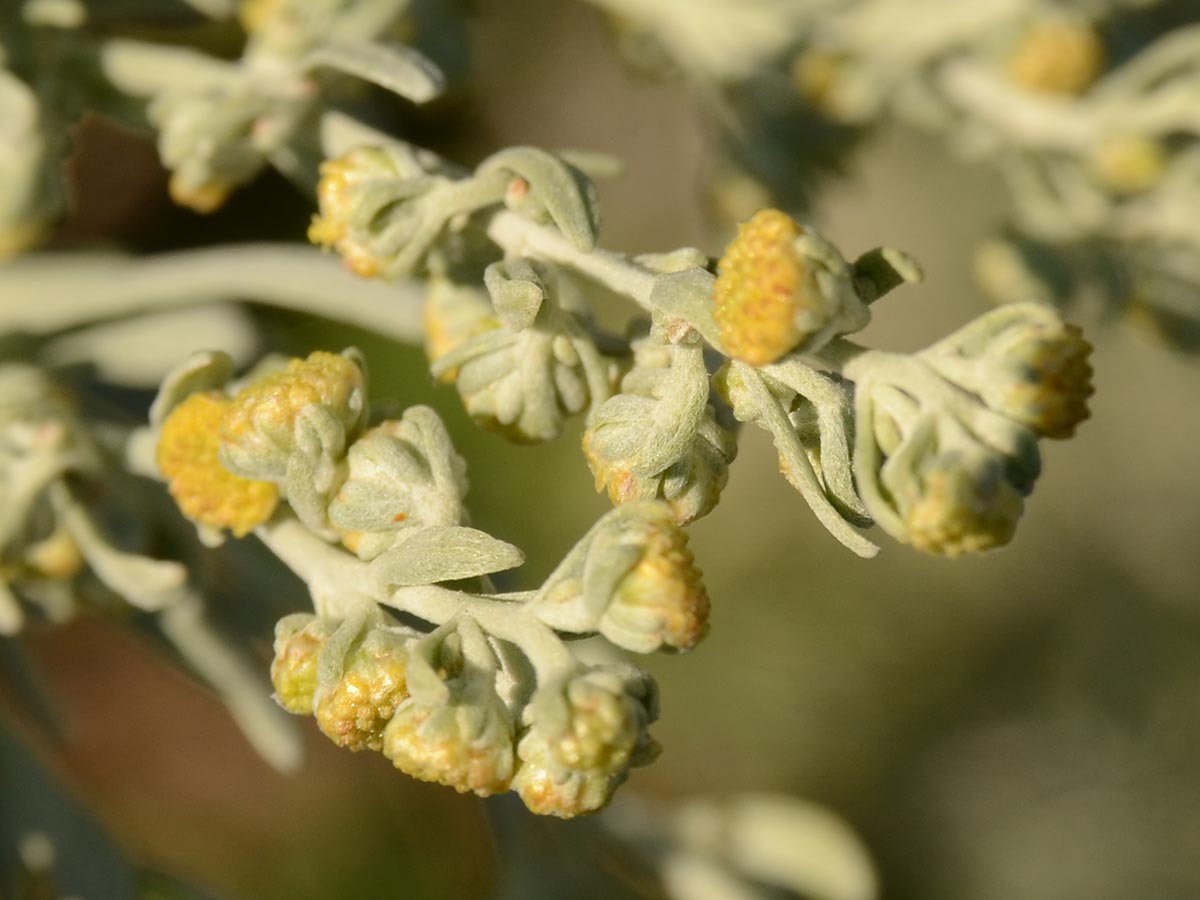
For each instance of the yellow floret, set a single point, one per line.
(337, 201)
(1053, 398)
(957, 514)
(764, 290)
(205, 491)
(204, 199)
(272, 403)
(1129, 165)
(1057, 56)
(666, 583)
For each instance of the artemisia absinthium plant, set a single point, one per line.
(410, 650)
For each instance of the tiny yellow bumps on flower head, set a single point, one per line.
(1052, 397)
(962, 510)
(665, 588)
(1057, 56)
(272, 404)
(337, 200)
(205, 491)
(766, 299)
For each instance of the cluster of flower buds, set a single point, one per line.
(442, 707)
(1089, 124)
(490, 697)
(221, 123)
(660, 435)
(947, 439)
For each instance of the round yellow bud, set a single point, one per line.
(962, 510)
(271, 404)
(766, 300)
(470, 750)
(338, 202)
(299, 640)
(1130, 164)
(664, 587)
(1052, 396)
(1057, 56)
(205, 491)
(354, 710)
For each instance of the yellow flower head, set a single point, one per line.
(354, 711)
(299, 640)
(1057, 56)
(665, 587)
(766, 299)
(468, 748)
(962, 509)
(205, 491)
(203, 198)
(339, 200)
(270, 406)
(1052, 396)
(1130, 164)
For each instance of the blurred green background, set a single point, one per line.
(1025, 725)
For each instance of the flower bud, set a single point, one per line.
(624, 446)
(780, 287)
(454, 313)
(464, 745)
(259, 431)
(342, 196)
(962, 503)
(401, 474)
(214, 141)
(1129, 164)
(299, 639)
(521, 385)
(454, 729)
(205, 491)
(354, 709)
(1057, 56)
(582, 740)
(1024, 362)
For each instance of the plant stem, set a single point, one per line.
(335, 578)
(50, 292)
(521, 237)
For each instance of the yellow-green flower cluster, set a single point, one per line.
(582, 742)
(766, 298)
(341, 198)
(224, 458)
(1057, 56)
(662, 601)
(205, 491)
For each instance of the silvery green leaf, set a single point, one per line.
(145, 69)
(754, 402)
(444, 553)
(880, 270)
(399, 69)
(823, 413)
(688, 295)
(565, 193)
(146, 583)
(516, 292)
